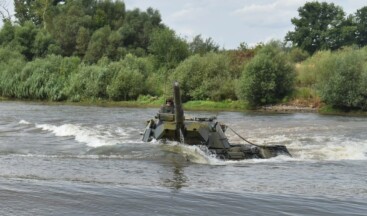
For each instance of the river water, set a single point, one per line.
(77, 160)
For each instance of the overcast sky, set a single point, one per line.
(230, 22)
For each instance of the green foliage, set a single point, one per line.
(319, 26)
(168, 49)
(343, 78)
(206, 77)
(268, 77)
(40, 79)
(26, 10)
(67, 23)
(82, 41)
(24, 37)
(96, 49)
(44, 44)
(361, 23)
(11, 62)
(138, 27)
(97, 45)
(7, 33)
(201, 46)
(90, 82)
(298, 55)
(308, 72)
(128, 79)
(216, 105)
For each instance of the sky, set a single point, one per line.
(229, 22)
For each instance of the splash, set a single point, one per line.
(194, 154)
(329, 149)
(24, 122)
(302, 147)
(201, 155)
(93, 136)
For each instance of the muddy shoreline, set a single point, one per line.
(288, 109)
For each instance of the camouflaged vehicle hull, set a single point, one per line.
(170, 124)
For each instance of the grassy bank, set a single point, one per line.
(288, 107)
(191, 105)
(149, 103)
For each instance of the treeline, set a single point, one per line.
(81, 50)
(325, 26)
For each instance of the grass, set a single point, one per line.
(213, 105)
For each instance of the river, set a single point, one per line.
(79, 160)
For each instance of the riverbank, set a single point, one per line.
(227, 105)
(288, 108)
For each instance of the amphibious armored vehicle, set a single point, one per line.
(171, 124)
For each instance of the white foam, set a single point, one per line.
(201, 155)
(304, 148)
(92, 136)
(24, 122)
(326, 148)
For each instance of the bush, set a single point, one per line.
(91, 82)
(46, 78)
(11, 63)
(206, 77)
(343, 78)
(308, 71)
(268, 77)
(129, 78)
(298, 55)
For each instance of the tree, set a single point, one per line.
(7, 33)
(98, 45)
(108, 12)
(138, 28)
(361, 22)
(71, 18)
(168, 49)
(4, 12)
(24, 37)
(318, 27)
(82, 41)
(268, 77)
(201, 46)
(44, 44)
(32, 10)
(24, 11)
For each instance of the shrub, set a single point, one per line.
(90, 81)
(268, 77)
(11, 63)
(206, 77)
(46, 78)
(308, 72)
(298, 55)
(129, 78)
(343, 77)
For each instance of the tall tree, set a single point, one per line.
(317, 27)
(108, 12)
(4, 12)
(361, 22)
(201, 46)
(138, 28)
(168, 49)
(67, 24)
(7, 33)
(25, 11)
(98, 45)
